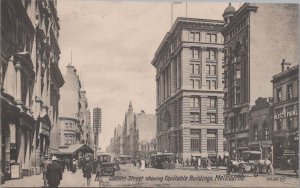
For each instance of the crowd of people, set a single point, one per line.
(53, 169)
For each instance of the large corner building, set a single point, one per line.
(190, 88)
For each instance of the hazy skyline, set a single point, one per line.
(113, 44)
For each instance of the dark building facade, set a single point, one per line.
(286, 115)
(253, 42)
(30, 83)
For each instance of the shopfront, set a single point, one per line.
(43, 127)
(9, 122)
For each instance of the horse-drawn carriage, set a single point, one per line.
(251, 163)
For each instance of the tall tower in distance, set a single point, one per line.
(96, 126)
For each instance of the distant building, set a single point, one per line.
(189, 88)
(72, 137)
(85, 119)
(118, 140)
(96, 125)
(138, 130)
(129, 132)
(69, 128)
(97, 119)
(286, 115)
(145, 131)
(253, 43)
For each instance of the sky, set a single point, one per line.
(113, 44)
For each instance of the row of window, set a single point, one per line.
(236, 122)
(211, 69)
(196, 84)
(69, 139)
(210, 53)
(212, 102)
(235, 30)
(290, 93)
(195, 117)
(209, 37)
(69, 126)
(164, 81)
(211, 140)
(266, 134)
(172, 48)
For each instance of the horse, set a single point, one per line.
(265, 165)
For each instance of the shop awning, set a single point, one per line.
(74, 148)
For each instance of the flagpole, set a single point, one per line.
(171, 13)
(186, 9)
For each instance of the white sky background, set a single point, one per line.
(113, 44)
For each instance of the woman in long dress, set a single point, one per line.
(143, 164)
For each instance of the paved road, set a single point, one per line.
(134, 177)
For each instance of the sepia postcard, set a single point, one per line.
(123, 93)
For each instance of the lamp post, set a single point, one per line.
(235, 154)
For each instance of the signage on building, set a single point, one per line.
(15, 171)
(287, 151)
(264, 143)
(285, 114)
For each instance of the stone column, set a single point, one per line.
(203, 113)
(19, 84)
(203, 140)
(219, 68)
(203, 67)
(186, 143)
(22, 146)
(220, 141)
(38, 80)
(27, 155)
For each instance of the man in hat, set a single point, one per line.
(54, 173)
(87, 171)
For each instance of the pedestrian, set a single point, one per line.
(98, 170)
(117, 165)
(44, 166)
(54, 173)
(67, 164)
(74, 166)
(62, 164)
(142, 164)
(187, 162)
(199, 162)
(195, 163)
(87, 171)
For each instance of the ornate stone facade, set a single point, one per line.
(189, 81)
(30, 82)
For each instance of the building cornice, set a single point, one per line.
(188, 23)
